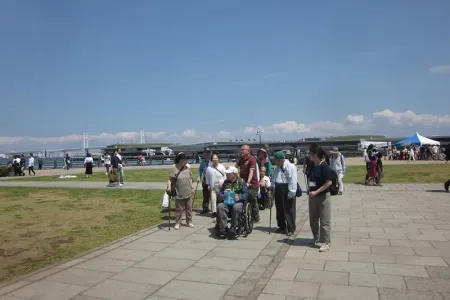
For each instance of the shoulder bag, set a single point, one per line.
(299, 191)
(173, 191)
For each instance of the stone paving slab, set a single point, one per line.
(379, 251)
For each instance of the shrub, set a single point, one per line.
(4, 171)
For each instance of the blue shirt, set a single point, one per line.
(204, 164)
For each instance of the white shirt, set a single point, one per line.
(120, 157)
(267, 180)
(88, 160)
(107, 160)
(289, 176)
(17, 160)
(215, 176)
(30, 162)
(338, 164)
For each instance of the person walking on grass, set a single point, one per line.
(107, 162)
(114, 171)
(319, 182)
(31, 165)
(180, 179)
(121, 165)
(89, 165)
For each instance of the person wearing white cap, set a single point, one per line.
(236, 185)
(338, 165)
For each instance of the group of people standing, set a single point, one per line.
(20, 163)
(245, 180)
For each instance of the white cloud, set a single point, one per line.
(441, 69)
(254, 130)
(385, 122)
(155, 135)
(224, 134)
(355, 119)
(410, 118)
(378, 123)
(190, 133)
(288, 127)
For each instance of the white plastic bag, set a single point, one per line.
(165, 203)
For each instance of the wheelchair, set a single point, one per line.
(244, 223)
(265, 199)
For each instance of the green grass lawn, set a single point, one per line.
(41, 226)
(131, 175)
(410, 173)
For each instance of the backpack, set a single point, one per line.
(334, 188)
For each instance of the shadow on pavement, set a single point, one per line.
(436, 191)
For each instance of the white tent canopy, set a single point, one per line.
(417, 139)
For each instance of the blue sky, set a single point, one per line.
(202, 69)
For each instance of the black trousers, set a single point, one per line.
(286, 208)
(205, 192)
(31, 169)
(447, 182)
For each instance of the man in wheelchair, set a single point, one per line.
(233, 184)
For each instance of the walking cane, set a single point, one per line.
(270, 211)
(195, 195)
(169, 211)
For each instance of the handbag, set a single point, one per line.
(173, 191)
(298, 192)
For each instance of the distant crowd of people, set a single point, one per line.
(20, 164)
(413, 152)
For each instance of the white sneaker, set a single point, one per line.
(324, 248)
(190, 224)
(120, 184)
(177, 226)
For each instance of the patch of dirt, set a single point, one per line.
(60, 240)
(23, 224)
(30, 234)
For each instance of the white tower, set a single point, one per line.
(85, 143)
(142, 136)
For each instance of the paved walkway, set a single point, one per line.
(388, 242)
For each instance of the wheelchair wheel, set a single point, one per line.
(248, 220)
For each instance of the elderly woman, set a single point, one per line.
(180, 185)
(88, 164)
(215, 176)
(232, 184)
(264, 161)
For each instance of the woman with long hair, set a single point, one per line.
(88, 164)
(319, 182)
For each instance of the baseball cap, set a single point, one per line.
(278, 155)
(334, 150)
(207, 150)
(231, 170)
(181, 155)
